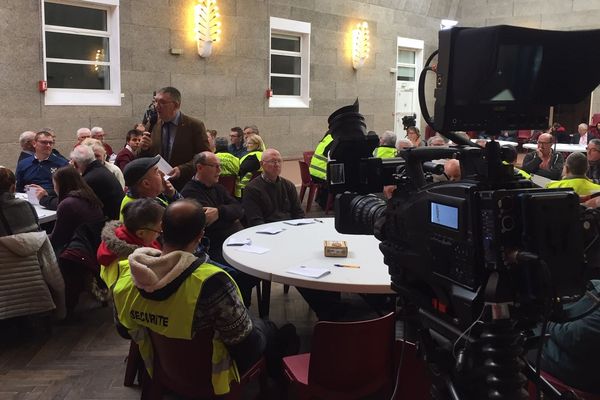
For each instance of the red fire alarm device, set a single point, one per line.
(42, 86)
(269, 93)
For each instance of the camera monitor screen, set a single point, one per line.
(444, 215)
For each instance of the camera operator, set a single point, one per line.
(544, 160)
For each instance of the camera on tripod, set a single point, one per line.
(409, 120)
(486, 258)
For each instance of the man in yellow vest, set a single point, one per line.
(574, 176)
(318, 168)
(230, 164)
(176, 293)
(387, 146)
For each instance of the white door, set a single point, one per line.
(408, 66)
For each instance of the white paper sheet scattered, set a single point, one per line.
(272, 230)
(238, 241)
(311, 272)
(164, 166)
(248, 248)
(303, 221)
(539, 180)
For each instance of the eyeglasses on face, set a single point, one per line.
(218, 166)
(46, 142)
(544, 142)
(153, 230)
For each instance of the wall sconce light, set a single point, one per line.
(207, 25)
(360, 44)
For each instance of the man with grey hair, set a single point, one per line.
(574, 176)
(387, 146)
(82, 134)
(26, 140)
(175, 136)
(99, 134)
(100, 154)
(436, 141)
(593, 157)
(583, 137)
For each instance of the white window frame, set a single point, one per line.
(302, 30)
(87, 97)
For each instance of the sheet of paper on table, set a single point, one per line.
(309, 271)
(273, 230)
(248, 248)
(303, 221)
(238, 241)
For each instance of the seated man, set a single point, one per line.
(100, 154)
(387, 146)
(593, 157)
(144, 179)
(183, 294)
(39, 168)
(99, 134)
(544, 161)
(223, 213)
(82, 134)
(571, 352)
(26, 140)
(574, 171)
(127, 153)
(230, 164)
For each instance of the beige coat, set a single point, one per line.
(30, 281)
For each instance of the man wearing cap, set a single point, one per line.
(176, 137)
(144, 179)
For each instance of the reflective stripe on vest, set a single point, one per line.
(230, 164)
(385, 152)
(173, 318)
(318, 162)
(241, 183)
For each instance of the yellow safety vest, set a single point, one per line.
(581, 186)
(318, 163)
(241, 183)
(129, 199)
(524, 174)
(384, 152)
(230, 164)
(172, 318)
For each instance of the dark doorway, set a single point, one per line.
(571, 115)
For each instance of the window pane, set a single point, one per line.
(406, 74)
(75, 17)
(287, 43)
(406, 57)
(285, 65)
(78, 76)
(285, 86)
(76, 47)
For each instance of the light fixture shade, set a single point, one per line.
(207, 25)
(360, 44)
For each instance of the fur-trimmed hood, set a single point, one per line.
(117, 243)
(151, 270)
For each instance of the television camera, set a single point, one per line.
(485, 259)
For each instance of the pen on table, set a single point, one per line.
(346, 265)
(317, 220)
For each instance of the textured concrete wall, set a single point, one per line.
(228, 88)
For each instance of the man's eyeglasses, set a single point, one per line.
(153, 230)
(544, 142)
(274, 162)
(163, 102)
(592, 149)
(218, 166)
(46, 142)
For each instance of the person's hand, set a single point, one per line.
(388, 191)
(168, 187)
(594, 202)
(175, 173)
(40, 192)
(539, 153)
(146, 141)
(212, 214)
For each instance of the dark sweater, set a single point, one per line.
(71, 212)
(106, 186)
(230, 213)
(531, 164)
(271, 201)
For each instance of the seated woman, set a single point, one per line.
(77, 205)
(414, 135)
(250, 163)
(16, 215)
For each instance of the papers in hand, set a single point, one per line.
(310, 272)
(233, 241)
(272, 230)
(303, 221)
(248, 248)
(164, 167)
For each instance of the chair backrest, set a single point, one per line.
(352, 357)
(184, 366)
(562, 387)
(307, 156)
(229, 182)
(524, 134)
(304, 173)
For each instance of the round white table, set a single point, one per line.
(560, 147)
(44, 215)
(501, 142)
(303, 245)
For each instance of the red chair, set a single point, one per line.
(229, 181)
(414, 381)
(308, 155)
(561, 387)
(349, 360)
(185, 367)
(307, 183)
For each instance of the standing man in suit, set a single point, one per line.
(583, 137)
(176, 137)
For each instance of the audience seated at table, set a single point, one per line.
(26, 140)
(16, 215)
(77, 205)
(230, 164)
(574, 176)
(250, 162)
(544, 160)
(100, 154)
(127, 153)
(39, 168)
(141, 227)
(193, 295)
(144, 179)
(223, 214)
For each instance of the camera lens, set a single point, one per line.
(365, 210)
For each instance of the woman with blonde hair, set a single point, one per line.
(250, 163)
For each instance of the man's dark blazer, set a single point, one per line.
(190, 140)
(106, 186)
